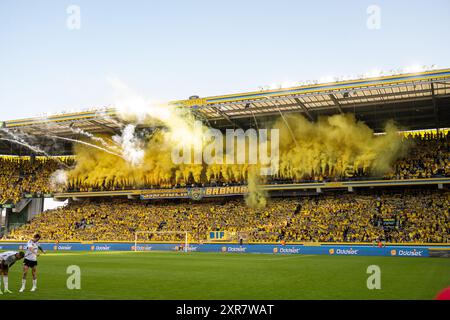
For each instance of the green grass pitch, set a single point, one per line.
(172, 275)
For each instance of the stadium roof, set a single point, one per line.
(413, 100)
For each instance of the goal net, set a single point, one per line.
(180, 237)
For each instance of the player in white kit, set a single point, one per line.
(7, 259)
(30, 261)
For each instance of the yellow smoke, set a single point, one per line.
(333, 147)
(256, 197)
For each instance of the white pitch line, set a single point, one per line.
(229, 255)
(292, 256)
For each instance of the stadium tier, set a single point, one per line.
(428, 159)
(414, 216)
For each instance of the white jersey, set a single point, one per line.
(31, 250)
(8, 258)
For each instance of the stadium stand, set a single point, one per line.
(24, 175)
(429, 156)
(411, 216)
(336, 212)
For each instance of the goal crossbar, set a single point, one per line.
(185, 233)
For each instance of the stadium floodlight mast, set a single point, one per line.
(184, 233)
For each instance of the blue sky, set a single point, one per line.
(169, 50)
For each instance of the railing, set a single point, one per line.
(188, 192)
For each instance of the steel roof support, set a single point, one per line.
(304, 108)
(336, 102)
(226, 117)
(435, 108)
(110, 129)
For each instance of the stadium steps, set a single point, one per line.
(21, 205)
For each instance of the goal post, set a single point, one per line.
(183, 235)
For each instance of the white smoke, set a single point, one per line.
(133, 107)
(58, 179)
(132, 150)
(18, 139)
(129, 103)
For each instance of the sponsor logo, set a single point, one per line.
(224, 249)
(235, 249)
(141, 248)
(410, 253)
(331, 251)
(393, 252)
(63, 247)
(101, 248)
(347, 251)
(286, 250)
(183, 248)
(289, 250)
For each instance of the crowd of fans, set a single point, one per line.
(413, 216)
(119, 220)
(429, 156)
(19, 176)
(407, 217)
